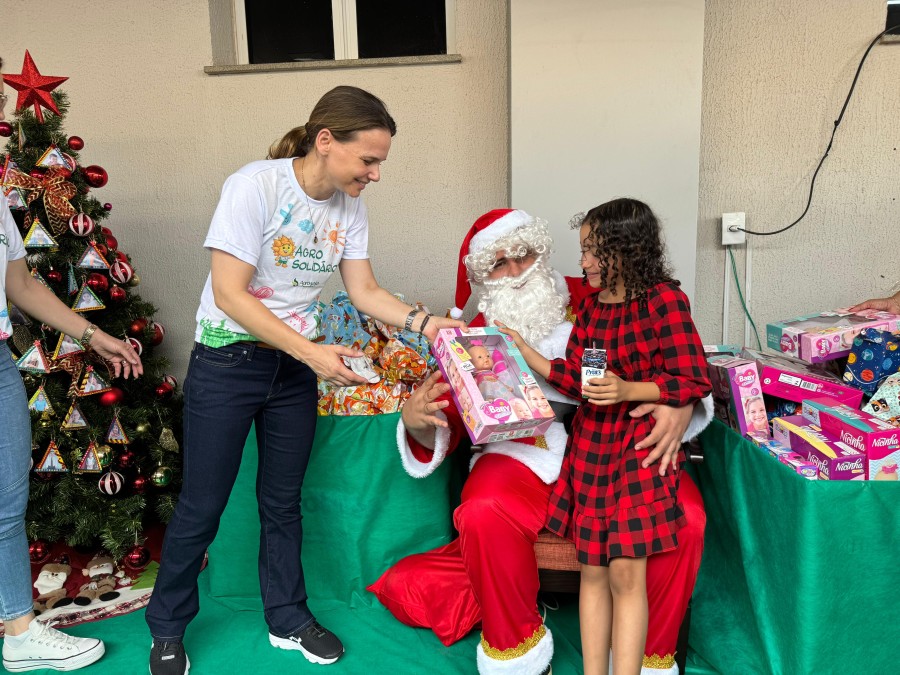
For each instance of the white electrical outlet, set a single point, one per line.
(731, 235)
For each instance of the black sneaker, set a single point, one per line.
(315, 642)
(168, 658)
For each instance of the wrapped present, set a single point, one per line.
(342, 324)
(400, 359)
(874, 356)
(815, 338)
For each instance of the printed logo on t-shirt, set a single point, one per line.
(284, 249)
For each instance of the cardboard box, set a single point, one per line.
(833, 459)
(493, 388)
(824, 336)
(878, 440)
(795, 381)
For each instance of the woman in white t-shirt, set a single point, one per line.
(282, 227)
(29, 643)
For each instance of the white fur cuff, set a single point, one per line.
(702, 416)
(413, 466)
(532, 662)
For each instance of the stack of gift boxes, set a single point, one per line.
(827, 403)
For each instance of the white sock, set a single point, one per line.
(17, 640)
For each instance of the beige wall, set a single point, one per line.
(775, 75)
(169, 135)
(605, 102)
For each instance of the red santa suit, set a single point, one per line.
(489, 575)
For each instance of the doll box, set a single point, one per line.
(795, 381)
(833, 459)
(736, 388)
(878, 440)
(828, 335)
(493, 388)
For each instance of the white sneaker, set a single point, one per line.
(46, 647)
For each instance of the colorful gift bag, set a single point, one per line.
(885, 403)
(874, 356)
(342, 325)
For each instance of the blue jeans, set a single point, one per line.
(225, 391)
(15, 463)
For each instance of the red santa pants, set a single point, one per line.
(489, 574)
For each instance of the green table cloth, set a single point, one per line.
(798, 576)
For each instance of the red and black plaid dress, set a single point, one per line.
(604, 500)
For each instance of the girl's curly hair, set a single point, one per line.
(628, 229)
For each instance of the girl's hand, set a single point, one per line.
(606, 390)
(436, 323)
(506, 330)
(120, 354)
(418, 412)
(325, 360)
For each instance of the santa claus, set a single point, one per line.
(489, 575)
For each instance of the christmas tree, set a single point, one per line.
(106, 453)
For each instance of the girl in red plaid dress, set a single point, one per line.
(617, 510)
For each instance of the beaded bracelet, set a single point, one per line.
(424, 323)
(410, 317)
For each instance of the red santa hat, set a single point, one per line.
(484, 232)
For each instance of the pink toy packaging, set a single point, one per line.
(828, 335)
(493, 388)
(795, 381)
(833, 459)
(878, 440)
(737, 394)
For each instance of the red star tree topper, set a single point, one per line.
(34, 88)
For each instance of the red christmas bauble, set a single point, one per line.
(137, 327)
(117, 294)
(169, 379)
(136, 345)
(101, 248)
(112, 397)
(36, 173)
(120, 255)
(81, 224)
(139, 485)
(112, 242)
(126, 459)
(95, 176)
(105, 230)
(121, 271)
(159, 332)
(39, 552)
(107, 206)
(6, 129)
(76, 143)
(137, 558)
(55, 276)
(97, 282)
(164, 391)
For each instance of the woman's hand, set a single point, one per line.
(325, 360)
(436, 323)
(606, 390)
(891, 304)
(120, 354)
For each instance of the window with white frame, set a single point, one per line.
(285, 31)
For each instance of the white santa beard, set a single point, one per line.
(530, 303)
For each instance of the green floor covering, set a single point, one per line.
(361, 513)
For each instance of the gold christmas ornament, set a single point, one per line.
(142, 428)
(162, 476)
(167, 440)
(135, 280)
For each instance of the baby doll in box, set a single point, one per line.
(491, 375)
